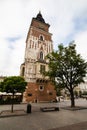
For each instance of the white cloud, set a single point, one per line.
(81, 44)
(11, 57)
(66, 17)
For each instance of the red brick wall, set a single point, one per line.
(48, 94)
(37, 24)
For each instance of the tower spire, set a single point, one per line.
(40, 18)
(39, 11)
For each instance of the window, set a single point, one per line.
(29, 94)
(50, 93)
(42, 68)
(41, 55)
(41, 88)
(23, 70)
(41, 38)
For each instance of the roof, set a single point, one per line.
(40, 18)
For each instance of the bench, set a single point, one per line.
(46, 109)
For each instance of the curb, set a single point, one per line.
(8, 113)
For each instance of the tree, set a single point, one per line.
(12, 85)
(67, 69)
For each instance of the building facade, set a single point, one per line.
(83, 86)
(38, 45)
(2, 78)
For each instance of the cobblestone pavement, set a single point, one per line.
(37, 120)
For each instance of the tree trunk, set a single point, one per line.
(12, 103)
(72, 98)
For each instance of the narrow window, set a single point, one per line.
(42, 68)
(41, 55)
(23, 70)
(41, 38)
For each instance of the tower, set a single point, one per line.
(38, 45)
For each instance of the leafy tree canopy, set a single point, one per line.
(13, 84)
(67, 66)
(67, 69)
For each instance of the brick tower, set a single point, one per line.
(38, 45)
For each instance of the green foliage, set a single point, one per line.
(66, 68)
(13, 84)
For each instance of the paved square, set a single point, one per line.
(38, 120)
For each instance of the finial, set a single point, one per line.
(39, 12)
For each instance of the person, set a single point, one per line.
(57, 99)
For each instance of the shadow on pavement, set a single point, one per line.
(78, 126)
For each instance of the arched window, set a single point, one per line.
(23, 70)
(41, 38)
(41, 55)
(41, 88)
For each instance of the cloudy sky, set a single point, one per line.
(68, 20)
